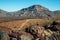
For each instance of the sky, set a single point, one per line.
(14, 5)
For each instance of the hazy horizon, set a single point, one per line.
(14, 5)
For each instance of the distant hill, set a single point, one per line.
(34, 11)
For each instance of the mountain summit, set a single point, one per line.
(35, 7)
(38, 7)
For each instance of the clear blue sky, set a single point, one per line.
(13, 5)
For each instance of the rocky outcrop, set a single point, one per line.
(33, 32)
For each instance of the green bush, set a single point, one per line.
(4, 36)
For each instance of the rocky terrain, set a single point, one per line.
(32, 32)
(33, 23)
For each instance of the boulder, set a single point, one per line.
(35, 30)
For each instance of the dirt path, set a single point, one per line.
(23, 24)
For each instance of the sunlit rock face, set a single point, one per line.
(26, 37)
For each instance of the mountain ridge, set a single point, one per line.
(34, 11)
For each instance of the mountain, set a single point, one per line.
(34, 11)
